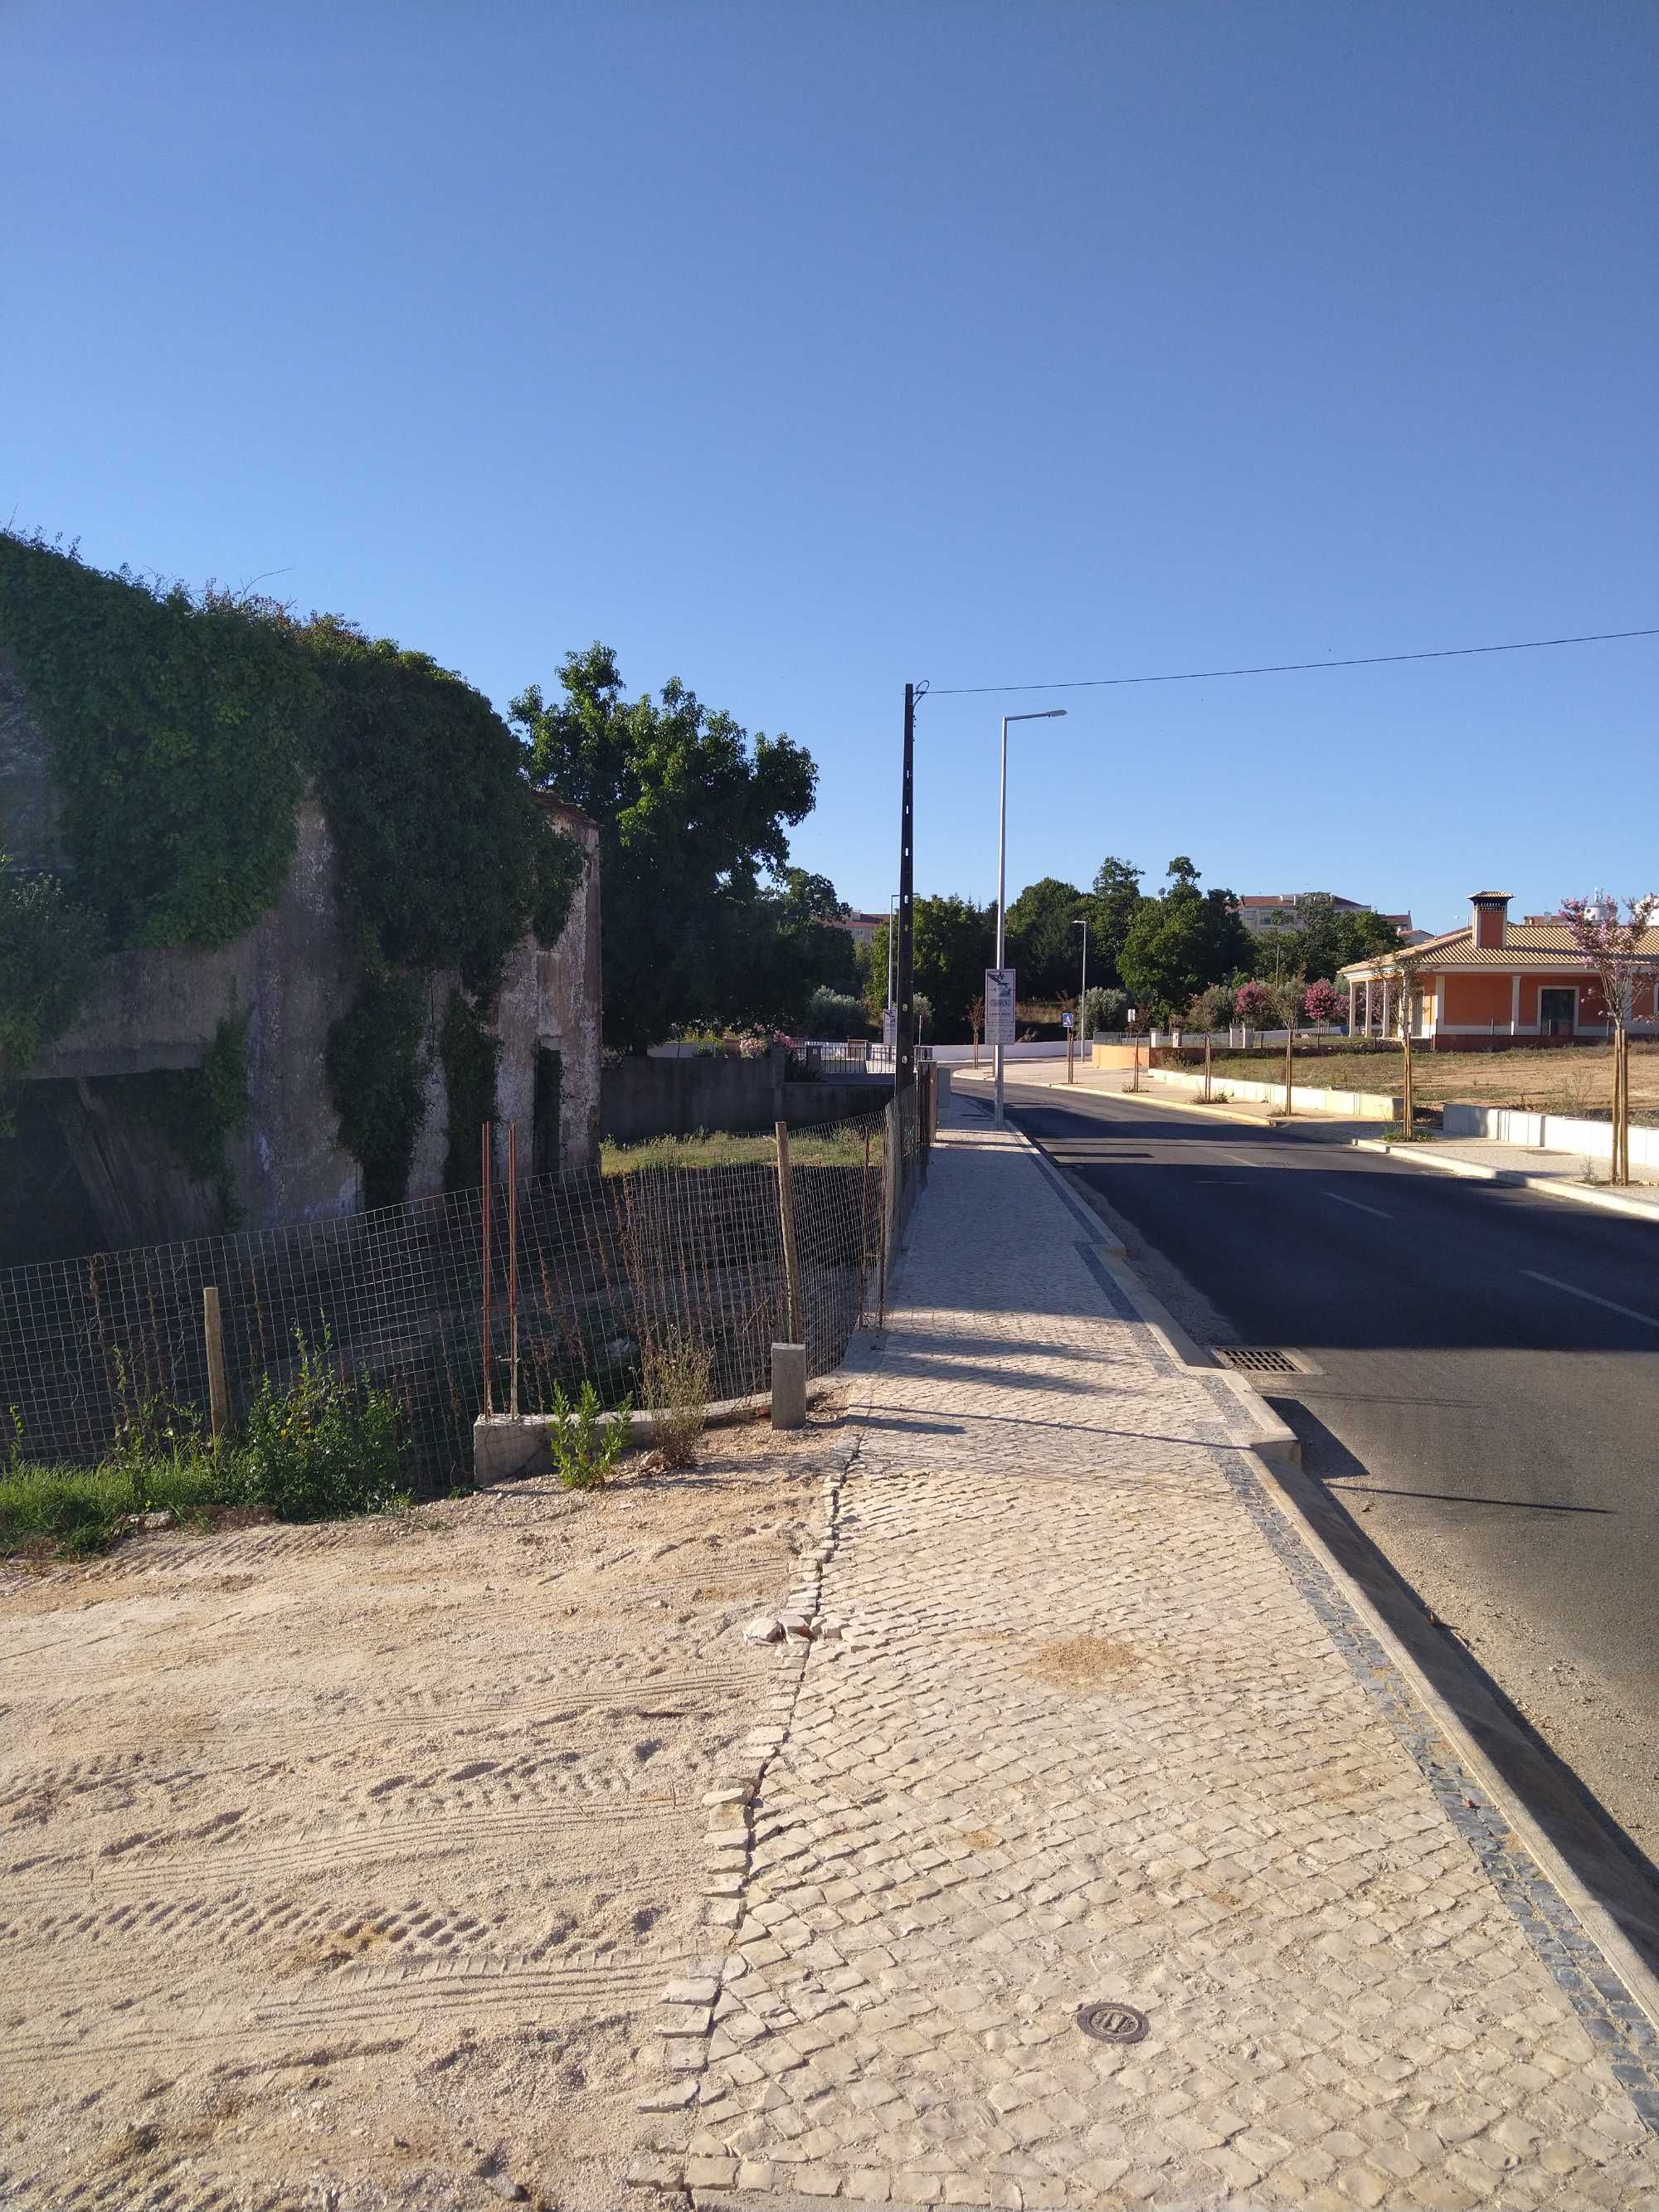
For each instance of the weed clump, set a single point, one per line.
(678, 1370)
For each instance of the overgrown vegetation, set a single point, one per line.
(197, 1110)
(316, 1448)
(718, 1148)
(207, 713)
(470, 1056)
(49, 952)
(374, 1081)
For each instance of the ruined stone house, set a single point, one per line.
(88, 1167)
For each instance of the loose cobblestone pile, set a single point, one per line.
(1091, 1723)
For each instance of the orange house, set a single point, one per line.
(1498, 982)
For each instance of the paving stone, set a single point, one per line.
(1102, 1727)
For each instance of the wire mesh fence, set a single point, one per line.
(606, 1267)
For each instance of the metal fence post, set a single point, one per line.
(484, 1200)
(787, 1218)
(513, 1268)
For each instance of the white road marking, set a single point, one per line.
(1590, 1299)
(1358, 1207)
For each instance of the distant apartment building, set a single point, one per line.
(1262, 911)
(860, 927)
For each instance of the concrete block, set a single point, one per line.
(788, 1386)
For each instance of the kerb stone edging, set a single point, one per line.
(1609, 1939)
(1584, 1193)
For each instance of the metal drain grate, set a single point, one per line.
(1256, 1358)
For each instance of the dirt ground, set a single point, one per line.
(344, 1864)
(1569, 1080)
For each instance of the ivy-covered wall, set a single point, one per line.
(181, 735)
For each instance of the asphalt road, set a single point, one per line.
(1485, 1403)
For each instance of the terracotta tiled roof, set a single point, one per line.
(1534, 947)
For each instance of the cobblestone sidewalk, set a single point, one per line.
(1098, 1726)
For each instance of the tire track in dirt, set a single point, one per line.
(436, 1996)
(372, 1719)
(314, 1851)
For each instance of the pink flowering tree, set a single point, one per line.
(1614, 949)
(1321, 1004)
(1253, 1005)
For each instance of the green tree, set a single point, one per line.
(1043, 947)
(955, 941)
(775, 948)
(693, 817)
(1318, 941)
(1110, 909)
(1180, 944)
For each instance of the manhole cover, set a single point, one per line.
(1256, 1358)
(1112, 2023)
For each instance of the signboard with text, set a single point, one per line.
(998, 1005)
(890, 1028)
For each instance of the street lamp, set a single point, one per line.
(1082, 923)
(1041, 714)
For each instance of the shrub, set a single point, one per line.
(583, 1452)
(1104, 1009)
(1254, 1003)
(323, 1446)
(677, 1370)
(1210, 1010)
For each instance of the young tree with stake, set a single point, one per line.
(1401, 969)
(1614, 949)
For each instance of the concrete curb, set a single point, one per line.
(1473, 1169)
(494, 1439)
(1633, 1209)
(1286, 1486)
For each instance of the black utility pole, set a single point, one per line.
(904, 1054)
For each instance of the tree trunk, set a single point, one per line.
(1407, 1101)
(1620, 1106)
(1290, 1035)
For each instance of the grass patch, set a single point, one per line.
(322, 1449)
(726, 1148)
(72, 1511)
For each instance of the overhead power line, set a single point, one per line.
(1292, 667)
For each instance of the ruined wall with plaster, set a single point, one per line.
(292, 975)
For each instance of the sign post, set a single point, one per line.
(1066, 1018)
(998, 1020)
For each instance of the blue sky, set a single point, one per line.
(796, 350)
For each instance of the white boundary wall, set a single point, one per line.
(1360, 1105)
(1548, 1133)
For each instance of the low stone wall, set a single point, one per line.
(1549, 1133)
(1358, 1105)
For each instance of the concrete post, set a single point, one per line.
(788, 1386)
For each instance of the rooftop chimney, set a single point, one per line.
(1492, 913)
